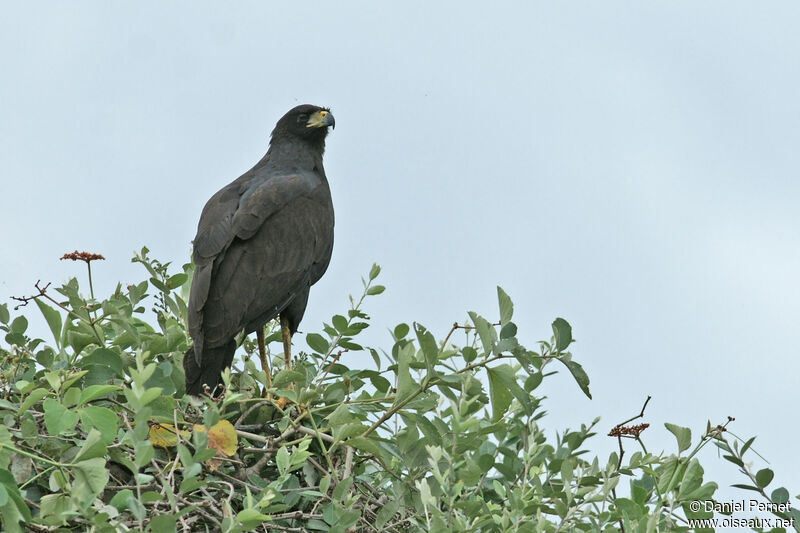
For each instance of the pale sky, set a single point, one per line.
(629, 166)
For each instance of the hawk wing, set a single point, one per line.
(261, 240)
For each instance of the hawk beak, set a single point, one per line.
(321, 119)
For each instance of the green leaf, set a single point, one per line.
(102, 419)
(405, 383)
(92, 392)
(506, 374)
(165, 523)
(150, 395)
(428, 345)
(143, 453)
(486, 332)
(380, 383)
(747, 445)
(32, 398)
(342, 488)
(499, 394)
(400, 331)
(499, 489)
(57, 418)
(56, 505)
(71, 397)
(508, 331)
(485, 462)
(780, 496)
(249, 517)
(682, 434)
(375, 357)
(19, 325)
(21, 467)
(282, 460)
(78, 340)
(563, 334)
(374, 271)
(629, 507)
(71, 378)
(325, 483)
(104, 357)
(506, 306)
(15, 509)
(120, 499)
(4, 316)
(53, 319)
(91, 477)
(366, 444)
(764, 477)
(386, 513)
(341, 415)
(733, 459)
(317, 343)
(692, 479)
(92, 447)
(533, 381)
(375, 289)
(348, 430)
(286, 377)
(158, 284)
(5, 437)
(340, 323)
(579, 374)
(468, 353)
(177, 280)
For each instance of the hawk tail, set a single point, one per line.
(209, 370)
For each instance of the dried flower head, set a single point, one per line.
(82, 256)
(625, 431)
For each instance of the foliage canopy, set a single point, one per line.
(97, 434)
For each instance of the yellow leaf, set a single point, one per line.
(165, 435)
(222, 437)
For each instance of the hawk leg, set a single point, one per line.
(262, 353)
(286, 332)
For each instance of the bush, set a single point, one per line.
(97, 434)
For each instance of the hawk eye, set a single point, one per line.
(302, 118)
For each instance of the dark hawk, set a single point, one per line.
(262, 242)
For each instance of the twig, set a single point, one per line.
(335, 360)
(239, 482)
(348, 462)
(138, 485)
(296, 515)
(286, 528)
(640, 415)
(314, 433)
(620, 431)
(171, 475)
(27, 299)
(456, 326)
(253, 436)
(452, 330)
(262, 461)
(200, 511)
(250, 410)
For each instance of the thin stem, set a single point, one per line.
(91, 286)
